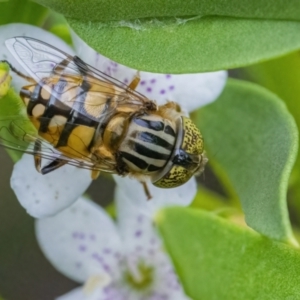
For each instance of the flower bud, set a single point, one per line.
(5, 79)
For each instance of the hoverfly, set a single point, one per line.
(89, 119)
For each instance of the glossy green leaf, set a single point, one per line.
(22, 11)
(218, 260)
(282, 76)
(192, 45)
(12, 110)
(209, 200)
(249, 133)
(62, 31)
(106, 10)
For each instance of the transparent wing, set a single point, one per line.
(17, 133)
(43, 61)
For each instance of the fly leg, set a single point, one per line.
(135, 81)
(149, 105)
(30, 79)
(95, 174)
(37, 156)
(146, 190)
(173, 105)
(55, 164)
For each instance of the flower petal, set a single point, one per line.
(108, 293)
(19, 29)
(136, 227)
(46, 195)
(133, 190)
(135, 221)
(76, 294)
(143, 244)
(191, 91)
(166, 283)
(81, 242)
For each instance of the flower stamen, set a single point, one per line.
(139, 276)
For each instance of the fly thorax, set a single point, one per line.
(114, 131)
(148, 144)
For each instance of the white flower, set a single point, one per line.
(129, 189)
(124, 262)
(45, 195)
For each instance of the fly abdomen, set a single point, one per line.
(56, 121)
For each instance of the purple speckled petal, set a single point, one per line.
(142, 243)
(136, 227)
(46, 195)
(166, 283)
(140, 237)
(189, 90)
(81, 241)
(192, 91)
(131, 189)
(18, 29)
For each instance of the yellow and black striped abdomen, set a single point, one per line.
(57, 122)
(148, 144)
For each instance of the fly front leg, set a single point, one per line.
(27, 78)
(146, 190)
(135, 81)
(95, 174)
(173, 105)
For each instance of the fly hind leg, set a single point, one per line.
(54, 165)
(37, 156)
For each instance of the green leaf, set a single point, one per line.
(12, 112)
(106, 10)
(23, 11)
(282, 76)
(218, 260)
(209, 200)
(192, 45)
(62, 31)
(183, 37)
(250, 134)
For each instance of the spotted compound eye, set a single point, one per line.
(187, 157)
